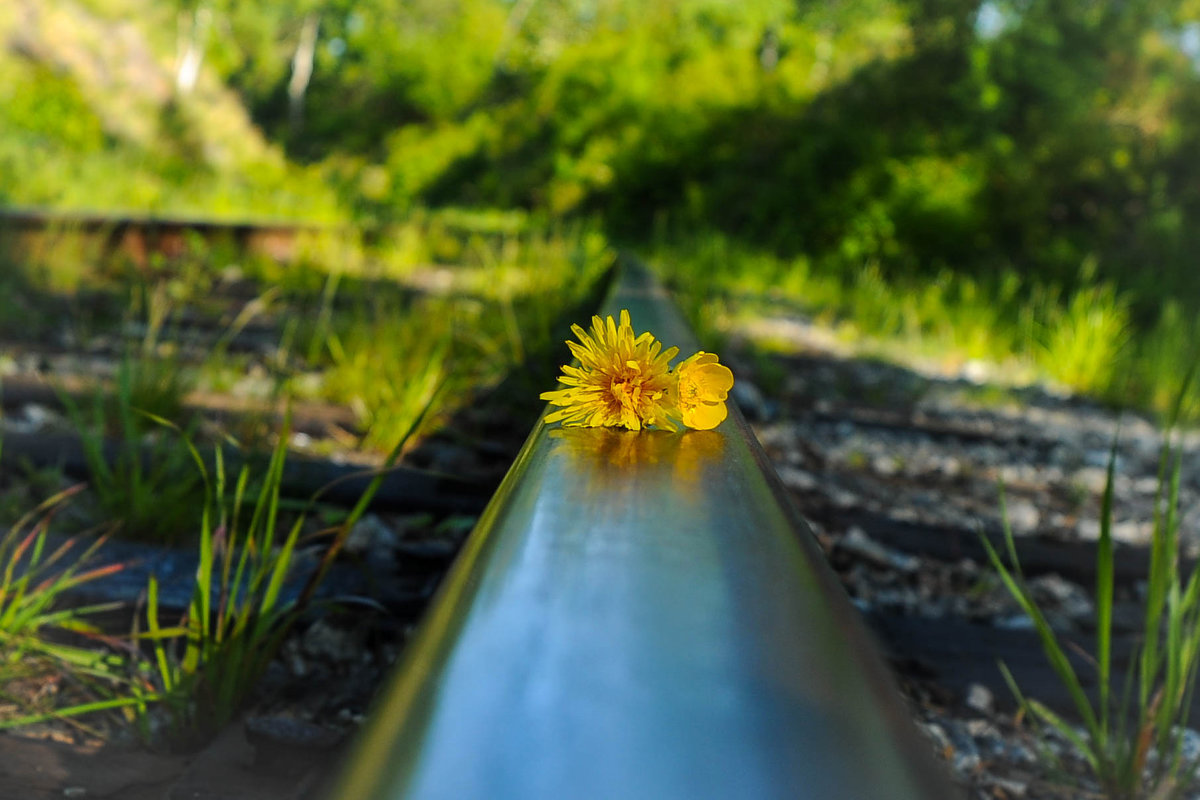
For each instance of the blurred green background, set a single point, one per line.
(1014, 181)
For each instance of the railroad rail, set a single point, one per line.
(138, 237)
(641, 615)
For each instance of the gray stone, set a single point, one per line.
(370, 534)
(324, 641)
(1014, 622)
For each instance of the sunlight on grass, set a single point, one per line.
(1083, 341)
(387, 338)
(387, 368)
(373, 319)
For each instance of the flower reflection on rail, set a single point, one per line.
(687, 455)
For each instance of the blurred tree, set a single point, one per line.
(918, 136)
(302, 70)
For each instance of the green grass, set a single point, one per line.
(45, 642)
(81, 132)
(203, 668)
(369, 319)
(388, 368)
(385, 332)
(403, 357)
(202, 671)
(140, 475)
(1133, 732)
(358, 323)
(1084, 340)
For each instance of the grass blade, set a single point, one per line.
(1104, 596)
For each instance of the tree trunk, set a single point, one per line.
(302, 69)
(193, 33)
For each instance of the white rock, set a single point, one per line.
(975, 371)
(797, 479)
(1131, 531)
(884, 465)
(979, 698)
(1088, 528)
(1191, 745)
(1023, 516)
(1010, 787)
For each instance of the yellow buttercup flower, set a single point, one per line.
(621, 381)
(701, 391)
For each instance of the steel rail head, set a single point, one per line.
(641, 615)
(39, 217)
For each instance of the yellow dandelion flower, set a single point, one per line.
(621, 381)
(702, 386)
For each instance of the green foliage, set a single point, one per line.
(1085, 342)
(905, 144)
(1162, 361)
(896, 132)
(90, 119)
(143, 480)
(203, 669)
(388, 368)
(38, 105)
(1132, 739)
(385, 350)
(1083, 338)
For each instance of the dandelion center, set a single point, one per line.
(628, 391)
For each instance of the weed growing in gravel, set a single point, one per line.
(1133, 742)
(383, 342)
(145, 481)
(42, 676)
(387, 367)
(203, 667)
(1085, 341)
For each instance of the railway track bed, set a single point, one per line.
(317, 692)
(899, 490)
(915, 570)
(897, 472)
